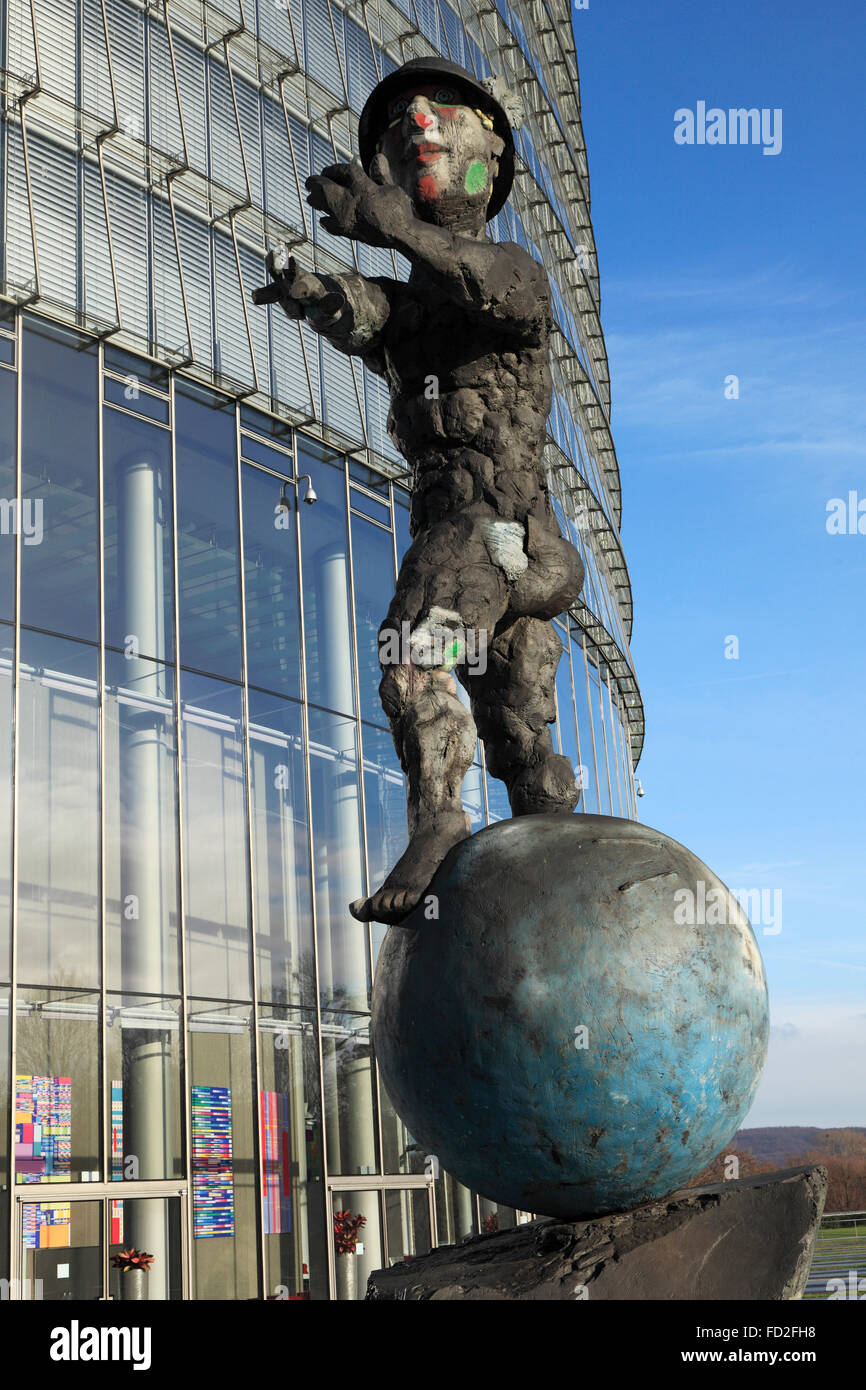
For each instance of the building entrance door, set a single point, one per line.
(69, 1242)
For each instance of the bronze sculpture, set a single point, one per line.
(463, 346)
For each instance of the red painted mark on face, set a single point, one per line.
(428, 189)
(426, 152)
(423, 120)
(449, 112)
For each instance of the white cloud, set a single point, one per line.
(815, 1073)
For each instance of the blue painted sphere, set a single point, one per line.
(574, 1019)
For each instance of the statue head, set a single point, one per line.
(445, 138)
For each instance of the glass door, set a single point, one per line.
(63, 1250)
(130, 1248)
(376, 1223)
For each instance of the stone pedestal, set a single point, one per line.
(748, 1240)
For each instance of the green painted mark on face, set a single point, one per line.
(476, 177)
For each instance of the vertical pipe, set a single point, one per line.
(146, 1053)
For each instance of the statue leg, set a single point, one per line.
(449, 598)
(513, 704)
(434, 735)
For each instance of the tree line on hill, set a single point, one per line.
(841, 1151)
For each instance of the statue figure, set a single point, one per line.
(463, 346)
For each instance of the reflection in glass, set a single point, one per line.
(8, 492)
(216, 886)
(407, 1222)
(58, 812)
(344, 977)
(5, 1018)
(137, 529)
(498, 805)
(565, 725)
(59, 1083)
(296, 1260)
(63, 1256)
(208, 563)
(6, 727)
(373, 570)
(455, 1210)
(591, 800)
(325, 558)
(271, 582)
(354, 1269)
(141, 889)
(280, 842)
(152, 1224)
(401, 521)
(59, 481)
(143, 1059)
(348, 1091)
(225, 1229)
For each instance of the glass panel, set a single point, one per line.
(407, 1217)
(216, 885)
(143, 1057)
(62, 1251)
(10, 520)
(473, 797)
(400, 1152)
(225, 1226)
(271, 458)
(58, 813)
(7, 350)
(338, 861)
(136, 368)
(402, 504)
(368, 477)
(129, 395)
(57, 1087)
(373, 570)
(379, 511)
(498, 806)
(139, 563)
(359, 1242)
(589, 802)
(207, 522)
(271, 586)
(4, 1132)
(151, 1224)
(565, 708)
(495, 1217)
(59, 481)
(6, 729)
(141, 875)
(293, 1188)
(455, 1210)
(324, 551)
(348, 1091)
(266, 424)
(385, 801)
(280, 843)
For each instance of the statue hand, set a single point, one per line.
(358, 207)
(302, 293)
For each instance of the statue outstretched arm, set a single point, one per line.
(499, 281)
(349, 310)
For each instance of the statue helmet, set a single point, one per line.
(489, 95)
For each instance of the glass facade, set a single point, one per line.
(196, 776)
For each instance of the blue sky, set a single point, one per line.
(720, 260)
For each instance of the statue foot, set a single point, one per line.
(404, 887)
